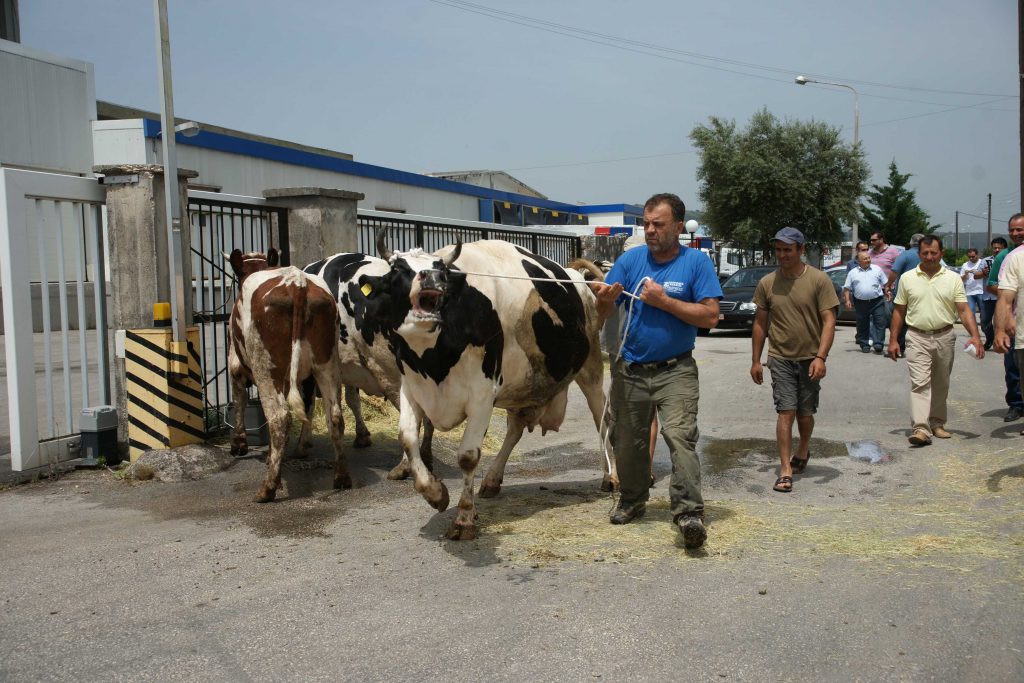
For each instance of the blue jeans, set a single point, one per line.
(871, 322)
(975, 302)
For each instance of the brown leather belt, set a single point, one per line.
(659, 364)
(941, 330)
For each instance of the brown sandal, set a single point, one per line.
(783, 484)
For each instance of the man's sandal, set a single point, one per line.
(783, 484)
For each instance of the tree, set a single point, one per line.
(895, 212)
(774, 174)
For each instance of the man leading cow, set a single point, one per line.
(677, 292)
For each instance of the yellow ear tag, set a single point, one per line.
(366, 289)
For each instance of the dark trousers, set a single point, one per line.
(988, 310)
(871, 321)
(1011, 372)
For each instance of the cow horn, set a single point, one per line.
(382, 245)
(450, 258)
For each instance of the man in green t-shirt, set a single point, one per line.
(1011, 372)
(796, 311)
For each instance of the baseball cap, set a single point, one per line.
(789, 236)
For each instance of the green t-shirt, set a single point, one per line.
(794, 308)
(993, 274)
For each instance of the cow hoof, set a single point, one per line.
(441, 504)
(362, 441)
(489, 490)
(265, 495)
(343, 482)
(609, 484)
(461, 532)
(399, 472)
(239, 449)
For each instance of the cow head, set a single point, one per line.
(245, 265)
(415, 290)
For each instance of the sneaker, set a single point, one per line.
(692, 528)
(940, 432)
(878, 349)
(1012, 414)
(626, 514)
(920, 438)
(865, 349)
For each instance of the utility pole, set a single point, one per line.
(989, 231)
(956, 228)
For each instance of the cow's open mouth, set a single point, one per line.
(428, 303)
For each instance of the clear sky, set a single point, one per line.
(586, 100)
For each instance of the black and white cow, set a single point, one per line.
(367, 361)
(468, 343)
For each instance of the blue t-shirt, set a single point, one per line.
(654, 334)
(906, 261)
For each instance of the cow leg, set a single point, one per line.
(239, 445)
(329, 381)
(279, 421)
(593, 389)
(424, 481)
(463, 528)
(514, 426)
(306, 435)
(403, 469)
(362, 439)
(427, 444)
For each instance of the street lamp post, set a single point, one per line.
(803, 80)
(691, 227)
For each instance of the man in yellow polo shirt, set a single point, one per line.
(929, 300)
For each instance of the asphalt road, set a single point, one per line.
(908, 569)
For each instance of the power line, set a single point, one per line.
(578, 33)
(917, 116)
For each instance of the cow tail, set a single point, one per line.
(298, 334)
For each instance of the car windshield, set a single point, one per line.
(748, 277)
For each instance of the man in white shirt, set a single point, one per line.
(972, 272)
(866, 284)
(1010, 332)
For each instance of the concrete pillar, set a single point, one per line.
(137, 243)
(321, 221)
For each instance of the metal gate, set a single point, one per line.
(219, 224)
(57, 345)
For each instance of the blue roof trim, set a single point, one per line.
(298, 157)
(628, 209)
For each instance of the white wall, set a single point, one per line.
(46, 106)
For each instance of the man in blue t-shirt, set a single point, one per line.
(676, 291)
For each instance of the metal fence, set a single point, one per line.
(219, 224)
(430, 234)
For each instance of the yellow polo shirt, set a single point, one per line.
(930, 301)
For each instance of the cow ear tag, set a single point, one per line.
(366, 289)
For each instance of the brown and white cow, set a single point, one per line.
(284, 329)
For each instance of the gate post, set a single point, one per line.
(137, 243)
(321, 221)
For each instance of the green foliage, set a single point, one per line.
(895, 212)
(774, 174)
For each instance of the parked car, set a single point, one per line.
(737, 307)
(838, 276)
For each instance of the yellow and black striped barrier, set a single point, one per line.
(165, 389)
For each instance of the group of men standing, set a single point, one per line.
(668, 291)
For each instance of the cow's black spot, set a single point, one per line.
(340, 268)
(344, 334)
(314, 268)
(565, 346)
(346, 302)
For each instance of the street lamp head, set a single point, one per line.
(691, 226)
(801, 80)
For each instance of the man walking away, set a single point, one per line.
(1011, 371)
(929, 299)
(796, 311)
(678, 292)
(866, 285)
